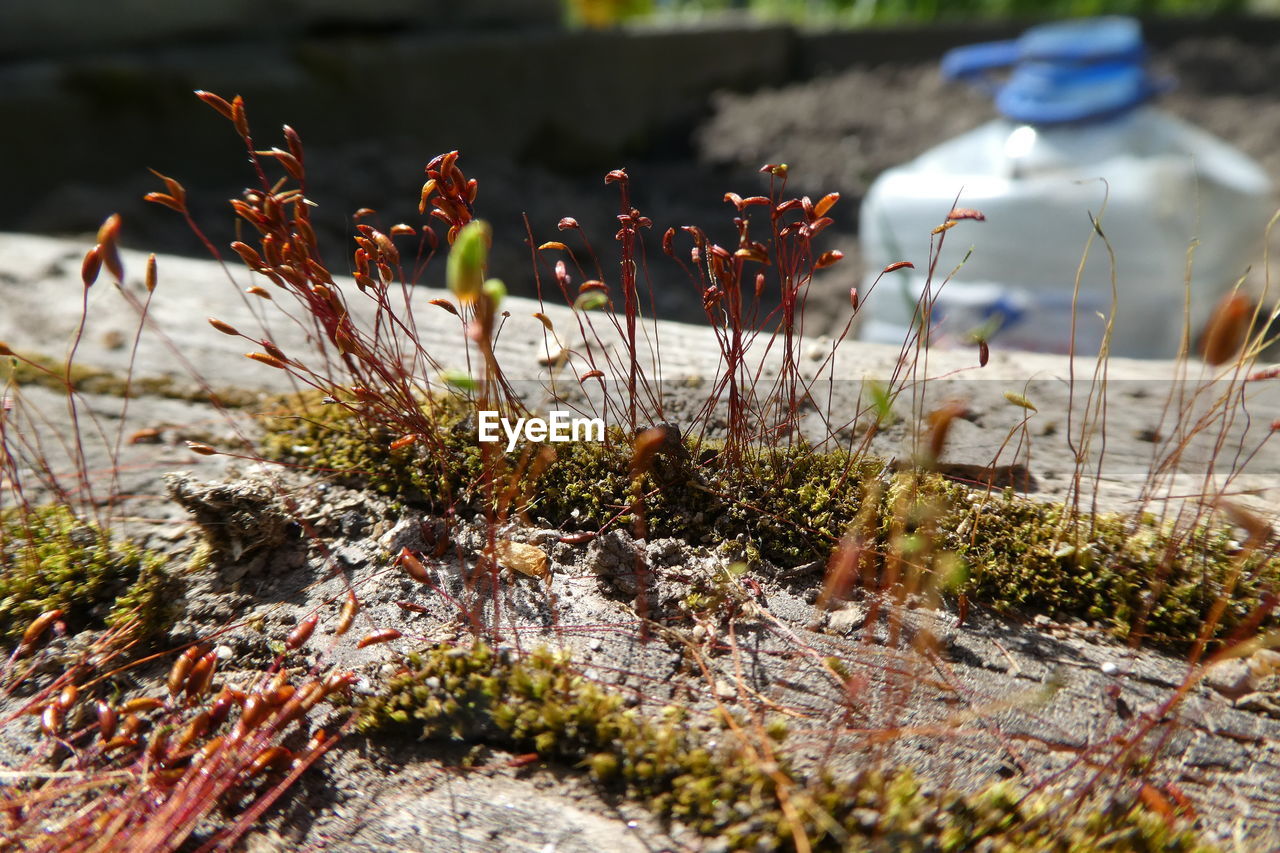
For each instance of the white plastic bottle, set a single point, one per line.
(1074, 114)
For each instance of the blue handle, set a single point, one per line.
(963, 63)
(1084, 70)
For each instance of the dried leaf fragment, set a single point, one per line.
(526, 559)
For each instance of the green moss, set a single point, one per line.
(751, 797)
(1129, 574)
(792, 504)
(46, 372)
(50, 559)
(304, 429)
(795, 504)
(719, 593)
(921, 533)
(1126, 573)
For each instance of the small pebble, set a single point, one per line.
(224, 652)
(1109, 668)
(1230, 677)
(543, 537)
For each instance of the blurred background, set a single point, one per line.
(854, 13)
(542, 97)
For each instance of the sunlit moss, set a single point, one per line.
(46, 372)
(51, 559)
(921, 533)
(751, 798)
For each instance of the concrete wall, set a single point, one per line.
(575, 97)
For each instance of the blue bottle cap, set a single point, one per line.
(1074, 71)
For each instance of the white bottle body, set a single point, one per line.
(1167, 186)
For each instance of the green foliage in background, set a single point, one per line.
(606, 13)
(603, 13)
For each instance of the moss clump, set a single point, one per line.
(744, 792)
(793, 503)
(1129, 574)
(46, 372)
(920, 532)
(1126, 573)
(312, 429)
(50, 559)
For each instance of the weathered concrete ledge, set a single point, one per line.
(42, 293)
(976, 698)
(1151, 407)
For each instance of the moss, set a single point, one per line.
(750, 797)
(304, 428)
(46, 372)
(921, 533)
(50, 559)
(792, 504)
(795, 504)
(1126, 573)
(719, 593)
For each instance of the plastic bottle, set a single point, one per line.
(1074, 113)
